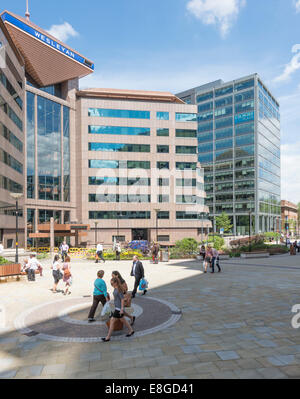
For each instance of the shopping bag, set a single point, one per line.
(106, 310)
(143, 284)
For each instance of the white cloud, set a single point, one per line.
(63, 32)
(292, 66)
(290, 167)
(297, 5)
(216, 12)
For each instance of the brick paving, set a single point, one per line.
(236, 324)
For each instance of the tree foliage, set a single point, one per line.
(187, 246)
(223, 222)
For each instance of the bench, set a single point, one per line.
(10, 270)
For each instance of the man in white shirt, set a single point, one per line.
(215, 260)
(1, 248)
(32, 266)
(99, 253)
(64, 250)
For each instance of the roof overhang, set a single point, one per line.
(47, 60)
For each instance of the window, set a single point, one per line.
(206, 147)
(163, 198)
(244, 129)
(221, 144)
(244, 163)
(205, 107)
(182, 117)
(117, 198)
(204, 97)
(186, 165)
(10, 137)
(9, 160)
(244, 151)
(206, 116)
(163, 149)
(66, 151)
(163, 215)
(186, 133)
(206, 158)
(221, 112)
(223, 91)
(186, 182)
(10, 185)
(247, 95)
(187, 216)
(223, 123)
(118, 238)
(244, 140)
(163, 238)
(204, 137)
(224, 154)
(163, 182)
(245, 106)
(186, 199)
(109, 215)
(243, 118)
(162, 132)
(138, 164)
(120, 130)
(11, 90)
(244, 85)
(244, 185)
(163, 165)
(245, 174)
(11, 113)
(223, 102)
(205, 127)
(97, 163)
(162, 116)
(224, 133)
(118, 181)
(114, 147)
(186, 150)
(118, 113)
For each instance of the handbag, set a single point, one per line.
(67, 273)
(127, 300)
(143, 284)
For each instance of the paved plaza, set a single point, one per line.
(234, 324)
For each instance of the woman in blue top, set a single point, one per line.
(100, 295)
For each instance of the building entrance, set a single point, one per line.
(140, 234)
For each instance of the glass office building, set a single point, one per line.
(239, 149)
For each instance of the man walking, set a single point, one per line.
(64, 250)
(138, 273)
(99, 253)
(215, 260)
(32, 266)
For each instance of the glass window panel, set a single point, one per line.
(163, 149)
(222, 112)
(206, 147)
(223, 102)
(244, 85)
(247, 95)
(186, 182)
(203, 127)
(119, 147)
(222, 144)
(244, 151)
(245, 106)
(245, 174)
(223, 123)
(187, 216)
(162, 132)
(186, 133)
(204, 97)
(205, 107)
(224, 154)
(94, 215)
(243, 118)
(120, 130)
(118, 113)
(205, 116)
(186, 165)
(203, 137)
(163, 165)
(244, 140)
(224, 91)
(162, 116)
(186, 150)
(224, 133)
(244, 129)
(184, 117)
(206, 158)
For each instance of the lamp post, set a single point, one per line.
(118, 225)
(17, 197)
(96, 224)
(157, 211)
(202, 217)
(249, 231)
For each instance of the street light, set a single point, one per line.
(17, 197)
(96, 224)
(157, 211)
(249, 231)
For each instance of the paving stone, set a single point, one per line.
(134, 373)
(8, 374)
(271, 373)
(90, 356)
(54, 369)
(191, 349)
(160, 372)
(228, 355)
(266, 343)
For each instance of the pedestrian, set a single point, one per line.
(100, 295)
(118, 250)
(119, 310)
(202, 252)
(64, 250)
(208, 258)
(127, 296)
(56, 272)
(1, 248)
(32, 266)
(67, 279)
(99, 253)
(215, 260)
(138, 273)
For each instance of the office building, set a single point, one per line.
(239, 149)
(12, 96)
(289, 218)
(124, 162)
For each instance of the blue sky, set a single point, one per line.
(174, 45)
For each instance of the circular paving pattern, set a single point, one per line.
(66, 320)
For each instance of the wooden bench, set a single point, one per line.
(10, 270)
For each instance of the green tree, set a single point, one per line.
(187, 246)
(223, 222)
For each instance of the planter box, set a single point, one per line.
(255, 255)
(10, 270)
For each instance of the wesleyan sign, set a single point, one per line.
(45, 39)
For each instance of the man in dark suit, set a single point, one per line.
(137, 272)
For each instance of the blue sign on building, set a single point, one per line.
(47, 40)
